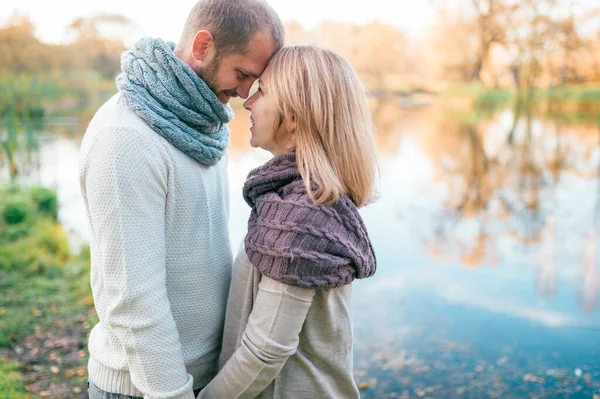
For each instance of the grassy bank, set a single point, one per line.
(585, 98)
(575, 104)
(45, 302)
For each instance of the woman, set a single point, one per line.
(288, 327)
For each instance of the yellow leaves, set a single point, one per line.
(75, 372)
(372, 383)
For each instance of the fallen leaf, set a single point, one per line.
(31, 388)
(54, 369)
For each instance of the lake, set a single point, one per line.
(485, 235)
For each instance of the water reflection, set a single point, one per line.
(486, 240)
(509, 179)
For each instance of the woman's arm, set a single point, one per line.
(270, 338)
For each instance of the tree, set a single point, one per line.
(453, 46)
(20, 50)
(93, 49)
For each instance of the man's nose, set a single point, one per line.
(243, 90)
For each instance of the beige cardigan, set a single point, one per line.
(283, 341)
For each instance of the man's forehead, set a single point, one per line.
(260, 51)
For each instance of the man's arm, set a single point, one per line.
(270, 338)
(124, 181)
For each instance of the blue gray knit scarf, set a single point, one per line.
(177, 104)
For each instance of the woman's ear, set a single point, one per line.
(203, 46)
(292, 127)
(292, 124)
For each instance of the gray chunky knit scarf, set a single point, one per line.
(177, 104)
(293, 240)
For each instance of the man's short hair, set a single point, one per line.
(233, 23)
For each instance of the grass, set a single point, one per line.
(479, 94)
(574, 94)
(45, 293)
(11, 386)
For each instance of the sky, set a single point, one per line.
(51, 17)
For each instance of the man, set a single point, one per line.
(153, 179)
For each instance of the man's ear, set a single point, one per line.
(203, 45)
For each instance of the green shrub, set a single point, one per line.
(32, 241)
(15, 212)
(45, 201)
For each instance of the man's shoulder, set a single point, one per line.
(115, 114)
(116, 122)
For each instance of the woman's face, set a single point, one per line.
(268, 130)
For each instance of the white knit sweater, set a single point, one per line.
(161, 259)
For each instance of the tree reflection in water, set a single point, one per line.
(505, 184)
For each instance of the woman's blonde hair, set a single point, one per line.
(335, 148)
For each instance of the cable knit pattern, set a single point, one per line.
(295, 241)
(160, 258)
(168, 95)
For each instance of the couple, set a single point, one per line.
(177, 318)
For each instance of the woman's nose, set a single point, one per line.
(248, 103)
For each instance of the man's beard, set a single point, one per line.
(209, 73)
